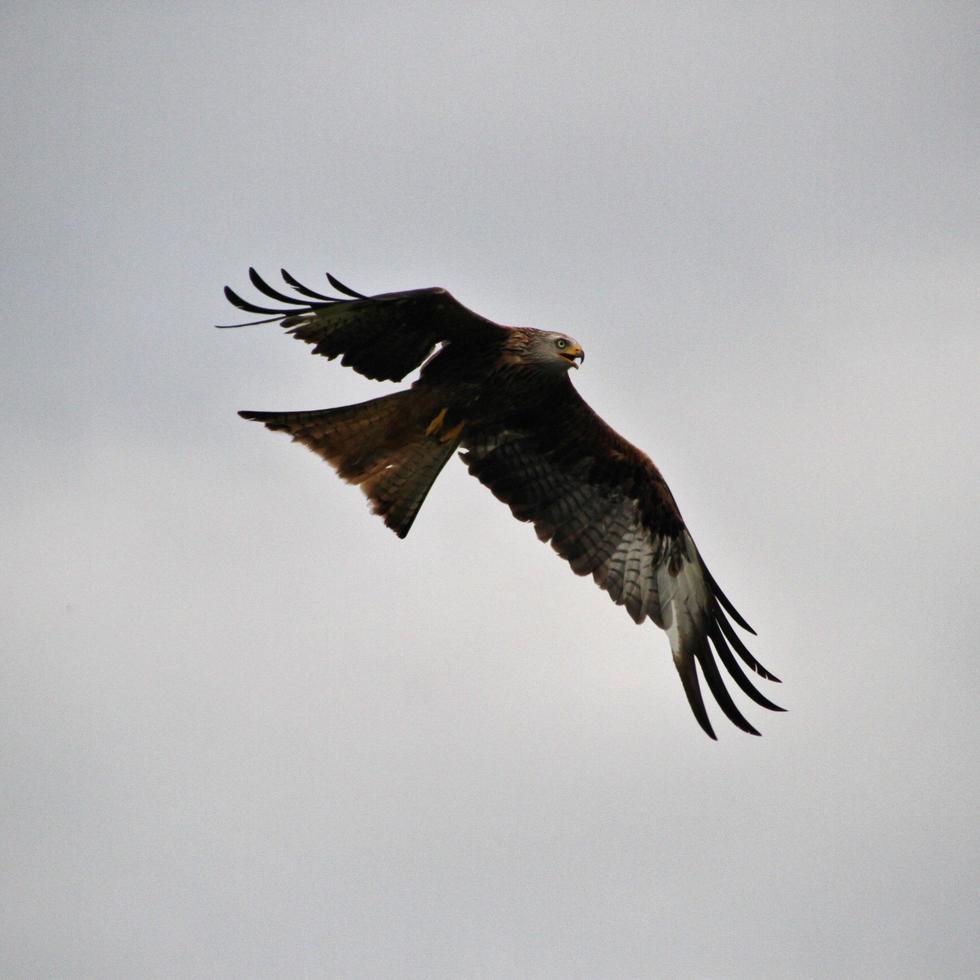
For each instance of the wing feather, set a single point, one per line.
(605, 508)
(382, 337)
(263, 287)
(300, 288)
(341, 288)
(736, 672)
(717, 686)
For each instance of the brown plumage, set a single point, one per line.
(502, 395)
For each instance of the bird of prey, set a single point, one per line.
(503, 397)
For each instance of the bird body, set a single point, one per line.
(502, 396)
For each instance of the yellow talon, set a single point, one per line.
(452, 433)
(436, 424)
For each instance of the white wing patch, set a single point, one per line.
(685, 599)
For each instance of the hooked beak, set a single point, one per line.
(572, 353)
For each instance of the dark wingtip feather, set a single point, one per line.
(689, 678)
(740, 648)
(250, 323)
(717, 686)
(305, 290)
(341, 288)
(234, 298)
(738, 675)
(242, 304)
(263, 287)
(725, 601)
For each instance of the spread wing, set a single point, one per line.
(608, 512)
(382, 337)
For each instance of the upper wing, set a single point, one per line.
(608, 512)
(383, 337)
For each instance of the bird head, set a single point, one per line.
(554, 351)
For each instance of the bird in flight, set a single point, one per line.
(503, 397)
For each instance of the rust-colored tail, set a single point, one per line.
(392, 447)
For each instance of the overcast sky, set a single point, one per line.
(246, 731)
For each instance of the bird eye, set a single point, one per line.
(561, 343)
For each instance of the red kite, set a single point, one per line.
(503, 396)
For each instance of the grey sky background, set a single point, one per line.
(247, 732)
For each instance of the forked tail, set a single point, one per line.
(391, 447)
